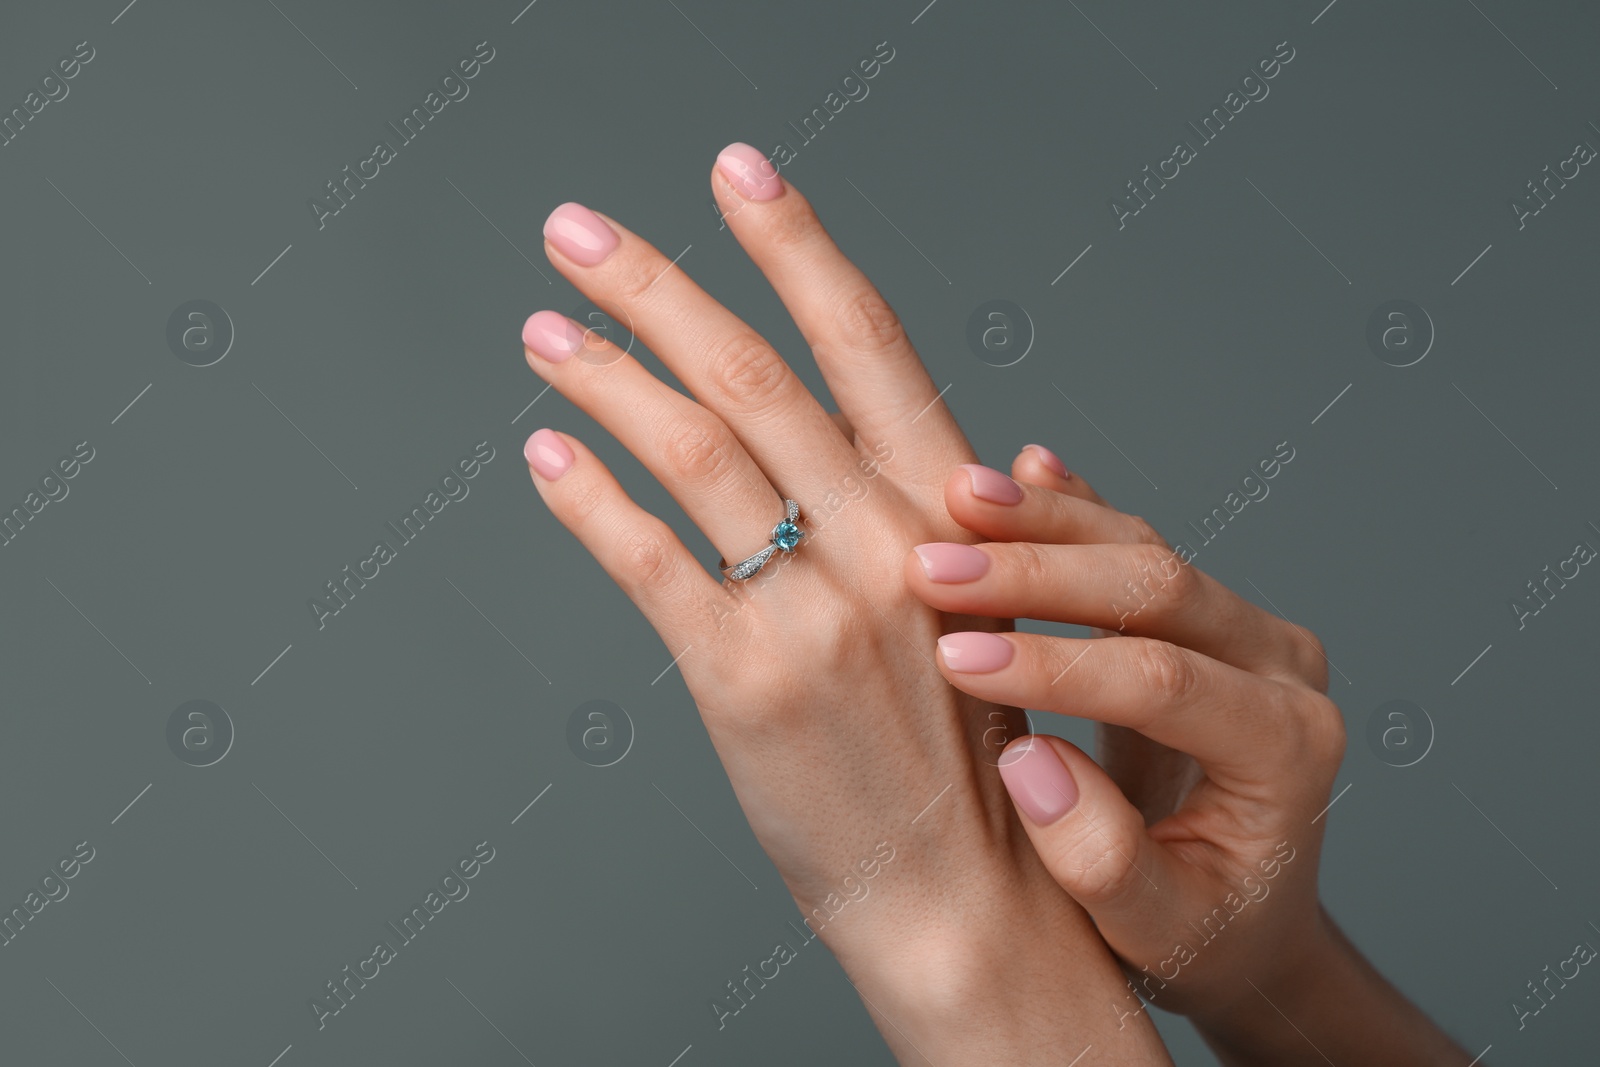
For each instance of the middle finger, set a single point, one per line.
(1253, 735)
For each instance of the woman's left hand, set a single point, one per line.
(1196, 848)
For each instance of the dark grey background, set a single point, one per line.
(375, 352)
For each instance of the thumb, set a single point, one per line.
(1091, 839)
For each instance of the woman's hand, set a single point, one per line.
(1197, 853)
(816, 679)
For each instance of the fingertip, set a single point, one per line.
(988, 484)
(1037, 465)
(749, 173)
(1038, 780)
(1050, 460)
(982, 499)
(950, 562)
(957, 487)
(551, 336)
(913, 570)
(975, 652)
(548, 454)
(581, 234)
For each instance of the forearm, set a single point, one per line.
(1335, 1007)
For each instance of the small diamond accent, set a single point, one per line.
(751, 565)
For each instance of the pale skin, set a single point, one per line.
(821, 682)
(1194, 842)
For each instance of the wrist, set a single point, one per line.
(1281, 1001)
(1327, 1002)
(1011, 973)
(1025, 999)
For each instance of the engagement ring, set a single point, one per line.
(785, 536)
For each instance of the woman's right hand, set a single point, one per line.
(1195, 850)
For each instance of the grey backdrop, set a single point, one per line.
(369, 355)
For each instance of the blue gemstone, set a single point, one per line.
(786, 535)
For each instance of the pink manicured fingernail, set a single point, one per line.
(947, 562)
(552, 335)
(749, 171)
(975, 652)
(580, 234)
(989, 484)
(1038, 781)
(1051, 460)
(548, 454)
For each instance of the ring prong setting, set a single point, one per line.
(785, 536)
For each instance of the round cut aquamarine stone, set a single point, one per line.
(786, 535)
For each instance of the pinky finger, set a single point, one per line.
(1037, 465)
(639, 551)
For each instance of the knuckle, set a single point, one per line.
(1311, 656)
(866, 321)
(694, 452)
(1144, 532)
(1100, 869)
(851, 640)
(644, 558)
(850, 643)
(583, 501)
(631, 276)
(1159, 571)
(1165, 671)
(748, 371)
(751, 709)
(1027, 564)
(1324, 729)
(794, 229)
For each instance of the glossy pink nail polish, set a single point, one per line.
(948, 562)
(548, 454)
(1051, 460)
(580, 234)
(989, 484)
(750, 172)
(1038, 781)
(552, 335)
(975, 651)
